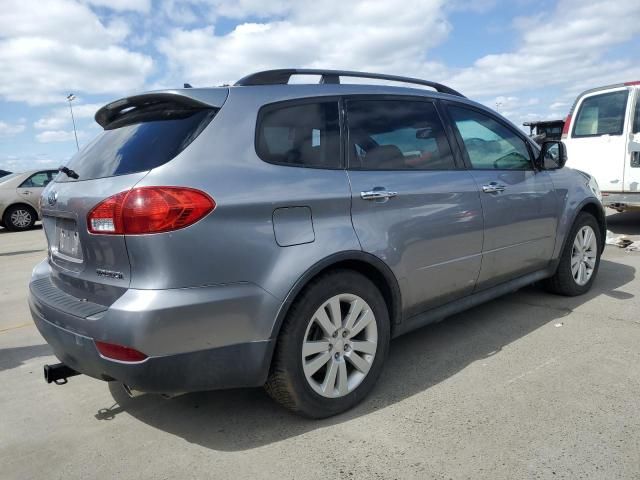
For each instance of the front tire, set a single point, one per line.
(332, 346)
(19, 217)
(580, 258)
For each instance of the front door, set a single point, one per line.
(596, 143)
(412, 206)
(518, 203)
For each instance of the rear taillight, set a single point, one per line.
(118, 352)
(565, 127)
(149, 210)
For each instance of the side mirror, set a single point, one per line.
(553, 155)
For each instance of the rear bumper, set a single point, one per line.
(195, 339)
(621, 200)
(242, 365)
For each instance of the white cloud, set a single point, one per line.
(51, 123)
(48, 49)
(9, 129)
(61, 20)
(142, 6)
(565, 47)
(49, 136)
(69, 68)
(185, 12)
(255, 8)
(61, 117)
(375, 36)
(21, 163)
(513, 102)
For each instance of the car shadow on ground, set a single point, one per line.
(625, 223)
(236, 420)
(4, 230)
(16, 356)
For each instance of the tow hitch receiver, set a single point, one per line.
(58, 373)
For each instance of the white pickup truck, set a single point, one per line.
(602, 135)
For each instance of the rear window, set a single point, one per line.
(601, 115)
(300, 135)
(139, 142)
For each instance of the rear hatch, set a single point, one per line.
(140, 133)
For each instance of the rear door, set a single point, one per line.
(518, 203)
(597, 142)
(96, 266)
(31, 189)
(632, 163)
(412, 206)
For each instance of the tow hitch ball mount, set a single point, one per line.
(58, 373)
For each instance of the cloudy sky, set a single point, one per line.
(529, 57)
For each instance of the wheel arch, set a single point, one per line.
(598, 212)
(367, 264)
(593, 207)
(20, 204)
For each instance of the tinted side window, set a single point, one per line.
(38, 180)
(490, 144)
(636, 117)
(303, 135)
(601, 115)
(396, 135)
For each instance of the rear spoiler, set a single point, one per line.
(191, 98)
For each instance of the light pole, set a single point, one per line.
(498, 105)
(70, 98)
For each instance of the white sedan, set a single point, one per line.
(19, 194)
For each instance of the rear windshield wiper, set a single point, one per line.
(69, 173)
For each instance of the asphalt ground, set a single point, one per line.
(527, 386)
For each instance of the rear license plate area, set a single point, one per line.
(67, 241)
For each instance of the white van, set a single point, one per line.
(602, 135)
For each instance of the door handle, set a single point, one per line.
(26, 192)
(377, 195)
(493, 187)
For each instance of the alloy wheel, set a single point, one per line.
(339, 345)
(20, 218)
(584, 255)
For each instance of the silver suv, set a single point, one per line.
(281, 234)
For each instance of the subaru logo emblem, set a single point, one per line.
(52, 198)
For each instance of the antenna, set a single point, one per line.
(70, 98)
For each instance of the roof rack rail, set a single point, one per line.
(282, 76)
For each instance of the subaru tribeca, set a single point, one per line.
(281, 234)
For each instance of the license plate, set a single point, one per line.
(68, 241)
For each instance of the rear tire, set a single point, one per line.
(351, 355)
(580, 258)
(19, 217)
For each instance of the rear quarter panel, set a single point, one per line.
(236, 242)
